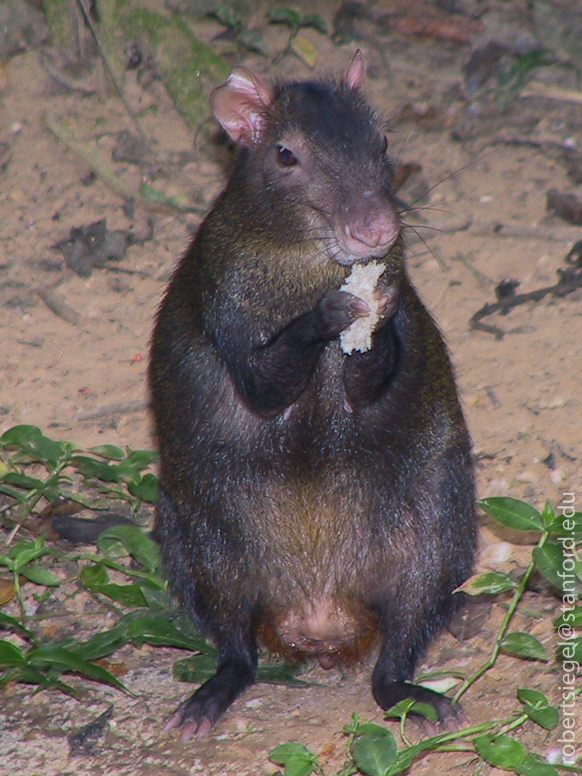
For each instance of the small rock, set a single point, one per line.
(254, 703)
(494, 554)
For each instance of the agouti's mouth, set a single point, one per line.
(349, 251)
(366, 229)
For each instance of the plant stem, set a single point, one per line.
(503, 630)
(35, 496)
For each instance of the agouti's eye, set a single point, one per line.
(384, 144)
(285, 157)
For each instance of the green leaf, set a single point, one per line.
(137, 460)
(549, 561)
(548, 515)
(534, 767)
(45, 681)
(127, 595)
(109, 452)
(305, 50)
(409, 705)
(547, 718)
(15, 494)
(101, 644)
(93, 575)
(30, 441)
(25, 552)
(91, 467)
(399, 709)
(154, 629)
(524, 645)
(87, 501)
(573, 617)
(67, 660)
(20, 480)
(315, 21)
(439, 681)
(567, 525)
(297, 758)
(141, 459)
(501, 751)
(11, 623)
(134, 541)
(512, 513)
(490, 583)
(533, 697)
(195, 670)
(19, 436)
(253, 41)
(538, 708)
(374, 749)
(285, 16)
(10, 655)
(146, 488)
(282, 673)
(535, 58)
(574, 647)
(40, 576)
(158, 598)
(226, 15)
(96, 579)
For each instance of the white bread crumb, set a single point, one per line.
(361, 282)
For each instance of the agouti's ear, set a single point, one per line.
(356, 71)
(240, 105)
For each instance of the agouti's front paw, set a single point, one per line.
(338, 310)
(387, 297)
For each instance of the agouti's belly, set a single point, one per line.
(331, 632)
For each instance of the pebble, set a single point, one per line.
(254, 703)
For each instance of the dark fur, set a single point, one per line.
(272, 492)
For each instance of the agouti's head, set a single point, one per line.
(314, 159)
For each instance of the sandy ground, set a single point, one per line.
(521, 394)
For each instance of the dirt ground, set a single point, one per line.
(84, 379)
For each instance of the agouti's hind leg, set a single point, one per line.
(236, 671)
(391, 684)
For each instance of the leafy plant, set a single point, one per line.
(20, 562)
(245, 37)
(252, 40)
(516, 72)
(296, 22)
(35, 469)
(373, 749)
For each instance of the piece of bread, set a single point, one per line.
(361, 282)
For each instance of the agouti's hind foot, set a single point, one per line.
(199, 713)
(450, 715)
(190, 718)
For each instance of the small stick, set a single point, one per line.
(569, 281)
(522, 232)
(58, 306)
(128, 108)
(537, 89)
(114, 409)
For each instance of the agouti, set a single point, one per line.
(312, 501)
